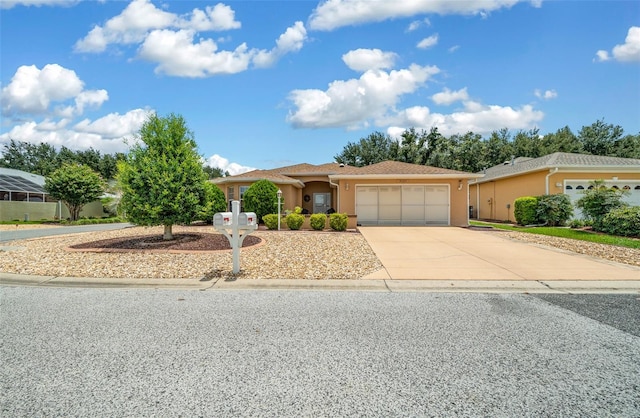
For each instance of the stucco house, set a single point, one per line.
(493, 195)
(386, 193)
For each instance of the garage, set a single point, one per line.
(416, 204)
(575, 189)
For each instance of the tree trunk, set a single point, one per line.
(168, 233)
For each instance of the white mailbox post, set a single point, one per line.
(235, 226)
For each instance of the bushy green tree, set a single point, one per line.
(214, 202)
(75, 185)
(554, 209)
(162, 178)
(599, 200)
(370, 150)
(262, 198)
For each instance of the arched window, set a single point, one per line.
(637, 188)
(627, 187)
(579, 188)
(569, 187)
(590, 187)
(615, 187)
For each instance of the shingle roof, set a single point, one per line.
(397, 167)
(559, 160)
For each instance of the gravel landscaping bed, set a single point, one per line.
(282, 255)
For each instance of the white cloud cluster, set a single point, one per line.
(333, 14)
(627, 52)
(416, 24)
(33, 90)
(8, 4)
(474, 117)
(170, 41)
(222, 163)
(369, 59)
(107, 134)
(57, 96)
(354, 102)
(546, 95)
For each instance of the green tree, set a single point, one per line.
(412, 147)
(214, 172)
(598, 200)
(628, 146)
(162, 178)
(498, 147)
(370, 150)
(215, 202)
(600, 138)
(262, 198)
(36, 159)
(563, 140)
(75, 185)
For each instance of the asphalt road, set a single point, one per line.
(117, 352)
(58, 230)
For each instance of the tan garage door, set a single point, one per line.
(403, 205)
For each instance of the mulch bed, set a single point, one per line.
(193, 241)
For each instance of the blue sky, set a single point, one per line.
(264, 84)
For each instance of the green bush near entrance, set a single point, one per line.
(318, 221)
(338, 221)
(525, 210)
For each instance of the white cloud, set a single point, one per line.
(8, 4)
(141, 17)
(369, 59)
(416, 24)
(292, 40)
(546, 95)
(107, 134)
(31, 90)
(602, 55)
(333, 14)
(474, 117)
(447, 97)
(354, 102)
(178, 55)
(217, 18)
(627, 52)
(454, 48)
(428, 42)
(222, 163)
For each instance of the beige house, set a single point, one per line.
(387, 193)
(493, 195)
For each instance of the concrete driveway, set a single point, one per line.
(451, 253)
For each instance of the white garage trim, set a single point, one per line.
(403, 204)
(571, 189)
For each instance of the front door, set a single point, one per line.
(321, 202)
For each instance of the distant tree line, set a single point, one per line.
(44, 159)
(473, 153)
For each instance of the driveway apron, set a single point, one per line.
(451, 253)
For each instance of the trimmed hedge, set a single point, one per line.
(553, 209)
(623, 222)
(525, 210)
(318, 221)
(270, 221)
(338, 221)
(294, 221)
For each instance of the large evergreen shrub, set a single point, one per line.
(261, 198)
(599, 200)
(554, 209)
(622, 221)
(525, 210)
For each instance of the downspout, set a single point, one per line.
(546, 182)
(478, 199)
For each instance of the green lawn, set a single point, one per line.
(567, 233)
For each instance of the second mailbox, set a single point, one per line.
(247, 219)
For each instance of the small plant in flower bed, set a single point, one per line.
(338, 221)
(270, 221)
(318, 221)
(623, 222)
(294, 221)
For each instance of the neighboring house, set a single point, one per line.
(386, 193)
(493, 195)
(22, 197)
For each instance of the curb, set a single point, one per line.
(372, 285)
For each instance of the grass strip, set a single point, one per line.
(564, 232)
